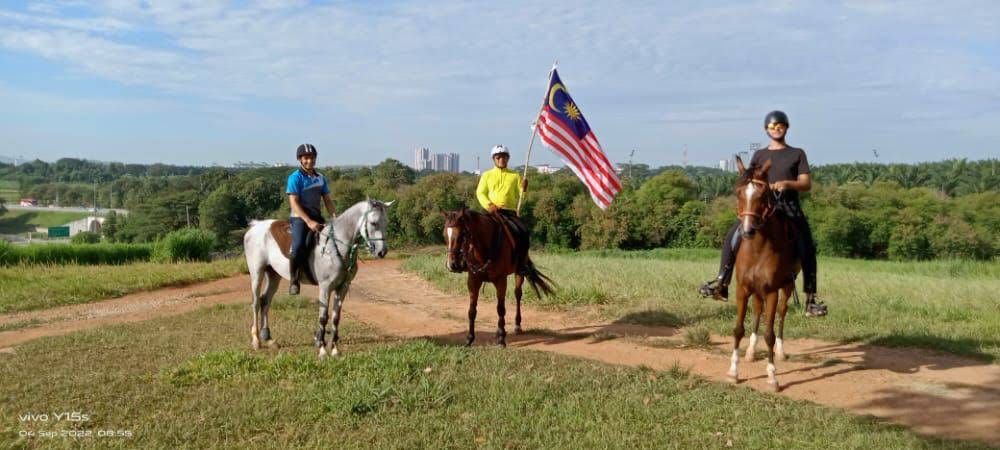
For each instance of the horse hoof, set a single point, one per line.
(322, 352)
(334, 353)
(501, 343)
(518, 330)
(255, 344)
(273, 344)
(732, 378)
(773, 386)
(750, 356)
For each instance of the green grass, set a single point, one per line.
(9, 191)
(29, 287)
(104, 253)
(20, 221)
(943, 305)
(191, 381)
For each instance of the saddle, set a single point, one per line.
(281, 232)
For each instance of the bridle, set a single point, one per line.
(768, 207)
(465, 248)
(352, 249)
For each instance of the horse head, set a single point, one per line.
(456, 236)
(753, 200)
(373, 227)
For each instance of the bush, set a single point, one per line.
(85, 237)
(187, 244)
(910, 242)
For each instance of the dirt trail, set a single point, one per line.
(932, 393)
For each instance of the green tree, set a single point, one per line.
(222, 213)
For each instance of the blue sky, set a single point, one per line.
(212, 81)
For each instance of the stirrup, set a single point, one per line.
(715, 290)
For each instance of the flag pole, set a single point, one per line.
(531, 142)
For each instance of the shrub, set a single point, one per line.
(85, 237)
(187, 244)
(73, 254)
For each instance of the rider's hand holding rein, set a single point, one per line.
(802, 184)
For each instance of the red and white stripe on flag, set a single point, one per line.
(583, 156)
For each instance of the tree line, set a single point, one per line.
(947, 209)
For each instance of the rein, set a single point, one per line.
(465, 249)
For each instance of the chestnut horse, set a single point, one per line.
(481, 245)
(766, 266)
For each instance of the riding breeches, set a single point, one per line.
(804, 244)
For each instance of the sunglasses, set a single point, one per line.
(774, 126)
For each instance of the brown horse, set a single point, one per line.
(766, 266)
(481, 245)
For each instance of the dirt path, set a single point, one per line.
(932, 393)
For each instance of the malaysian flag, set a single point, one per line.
(562, 128)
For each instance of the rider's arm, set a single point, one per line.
(482, 192)
(329, 205)
(802, 184)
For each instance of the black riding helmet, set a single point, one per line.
(775, 117)
(305, 150)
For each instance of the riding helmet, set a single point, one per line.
(305, 150)
(499, 149)
(775, 117)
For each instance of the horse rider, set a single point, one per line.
(306, 188)
(498, 192)
(788, 175)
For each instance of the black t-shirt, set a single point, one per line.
(786, 165)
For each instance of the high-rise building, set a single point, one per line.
(421, 158)
(453, 162)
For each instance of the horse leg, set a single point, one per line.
(272, 286)
(256, 278)
(779, 347)
(473, 284)
(324, 314)
(518, 292)
(742, 295)
(758, 308)
(338, 301)
(501, 286)
(772, 302)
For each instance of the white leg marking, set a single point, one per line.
(779, 348)
(735, 359)
(751, 347)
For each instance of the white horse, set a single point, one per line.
(333, 262)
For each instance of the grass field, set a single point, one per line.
(28, 287)
(943, 305)
(191, 381)
(20, 221)
(9, 191)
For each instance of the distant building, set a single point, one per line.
(547, 169)
(422, 158)
(91, 224)
(29, 202)
(444, 162)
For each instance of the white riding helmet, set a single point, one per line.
(498, 149)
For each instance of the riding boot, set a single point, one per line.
(814, 308)
(719, 287)
(293, 280)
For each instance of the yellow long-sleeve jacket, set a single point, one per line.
(502, 187)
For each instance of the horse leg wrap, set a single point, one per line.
(265, 334)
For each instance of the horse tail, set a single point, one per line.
(540, 283)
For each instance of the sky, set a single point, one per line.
(215, 82)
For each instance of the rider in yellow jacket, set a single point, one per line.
(498, 192)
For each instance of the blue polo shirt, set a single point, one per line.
(310, 190)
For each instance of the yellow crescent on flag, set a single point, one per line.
(552, 95)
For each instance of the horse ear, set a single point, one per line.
(739, 165)
(387, 205)
(765, 167)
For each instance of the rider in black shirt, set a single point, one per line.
(788, 175)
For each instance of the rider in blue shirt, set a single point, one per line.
(306, 189)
